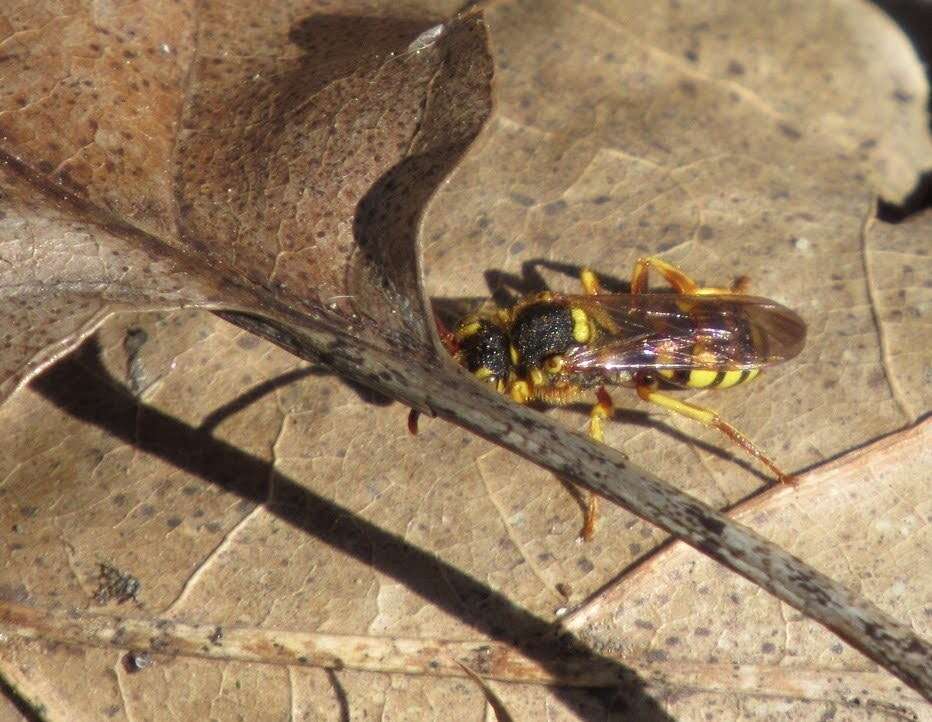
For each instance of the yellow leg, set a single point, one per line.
(714, 421)
(590, 283)
(603, 409)
(594, 311)
(680, 282)
(519, 391)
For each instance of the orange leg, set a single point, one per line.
(647, 390)
(741, 286)
(452, 346)
(413, 416)
(447, 337)
(603, 409)
(679, 281)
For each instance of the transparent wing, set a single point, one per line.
(676, 331)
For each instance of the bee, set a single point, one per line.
(557, 349)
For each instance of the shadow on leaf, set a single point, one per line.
(81, 387)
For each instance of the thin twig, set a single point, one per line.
(438, 386)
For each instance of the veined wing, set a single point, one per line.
(676, 331)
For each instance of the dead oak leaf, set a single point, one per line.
(285, 167)
(196, 214)
(862, 517)
(899, 268)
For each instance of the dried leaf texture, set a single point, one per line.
(862, 520)
(176, 516)
(86, 133)
(899, 268)
(243, 489)
(308, 173)
(678, 143)
(283, 167)
(66, 267)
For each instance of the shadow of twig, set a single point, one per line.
(219, 415)
(81, 387)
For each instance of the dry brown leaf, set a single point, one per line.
(253, 611)
(556, 178)
(899, 274)
(281, 170)
(863, 519)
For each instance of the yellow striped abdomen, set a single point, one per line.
(708, 378)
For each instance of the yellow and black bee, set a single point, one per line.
(557, 349)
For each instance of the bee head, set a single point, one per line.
(483, 350)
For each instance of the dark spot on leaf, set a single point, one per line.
(554, 208)
(790, 132)
(16, 593)
(735, 68)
